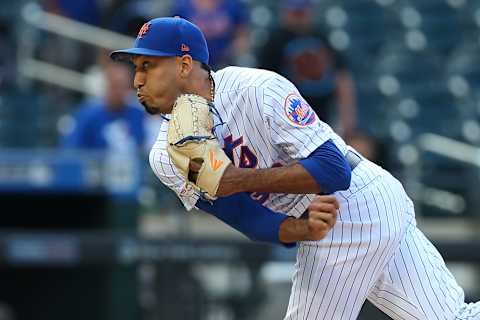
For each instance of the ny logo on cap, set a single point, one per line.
(143, 30)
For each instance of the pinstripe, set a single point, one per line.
(384, 252)
(254, 147)
(299, 289)
(429, 280)
(265, 146)
(296, 286)
(396, 306)
(366, 254)
(378, 253)
(409, 250)
(361, 264)
(377, 289)
(343, 264)
(389, 232)
(227, 82)
(400, 279)
(319, 279)
(320, 276)
(411, 283)
(390, 212)
(310, 280)
(395, 213)
(219, 82)
(440, 267)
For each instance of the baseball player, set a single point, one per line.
(270, 157)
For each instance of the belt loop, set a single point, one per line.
(353, 159)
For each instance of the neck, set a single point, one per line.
(200, 85)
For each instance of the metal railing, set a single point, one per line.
(450, 148)
(31, 68)
(455, 151)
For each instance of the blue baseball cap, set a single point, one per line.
(167, 37)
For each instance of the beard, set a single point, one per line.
(149, 110)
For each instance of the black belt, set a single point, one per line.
(353, 160)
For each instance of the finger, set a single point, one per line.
(325, 217)
(323, 207)
(319, 226)
(326, 199)
(195, 166)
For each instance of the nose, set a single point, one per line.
(139, 80)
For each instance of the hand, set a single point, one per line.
(322, 216)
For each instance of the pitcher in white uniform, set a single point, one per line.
(283, 155)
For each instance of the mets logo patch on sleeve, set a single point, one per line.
(298, 111)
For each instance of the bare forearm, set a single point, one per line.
(292, 179)
(293, 230)
(322, 216)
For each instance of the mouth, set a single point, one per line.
(141, 98)
(143, 101)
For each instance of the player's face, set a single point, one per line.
(156, 80)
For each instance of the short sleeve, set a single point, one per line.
(294, 127)
(168, 174)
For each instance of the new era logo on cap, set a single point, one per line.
(184, 48)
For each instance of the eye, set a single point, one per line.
(146, 65)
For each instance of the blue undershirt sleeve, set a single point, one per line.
(247, 216)
(329, 167)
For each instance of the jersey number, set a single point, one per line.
(247, 159)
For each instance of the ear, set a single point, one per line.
(186, 65)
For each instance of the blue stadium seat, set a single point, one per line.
(465, 61)
(414, 71)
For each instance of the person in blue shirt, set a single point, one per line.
(111, 122)
(224, 24)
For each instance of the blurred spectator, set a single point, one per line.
(364, 144)
(302, 54)
(224, 23)
(368, 146)
(86, 11)
(114, 122)
(128, 17)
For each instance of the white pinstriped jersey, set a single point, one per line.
(266, 123)
(374, 251)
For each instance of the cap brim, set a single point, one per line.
(126, 54)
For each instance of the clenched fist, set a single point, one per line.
(322, 215)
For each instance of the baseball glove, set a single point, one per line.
(190, 138)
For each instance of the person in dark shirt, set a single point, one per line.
(298, 51)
